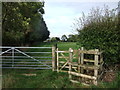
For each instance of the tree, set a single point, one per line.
(64, 38)
(72, 38)
(22, 21)
(99, 30)
(39, 33)
(55, 39)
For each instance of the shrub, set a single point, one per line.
(99, 30)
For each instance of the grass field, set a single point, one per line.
(14, 78)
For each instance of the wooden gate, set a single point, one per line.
(82, 65)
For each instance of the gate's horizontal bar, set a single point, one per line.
(25, 47)
(22, 60)
(82, 75)
(27, 62)
(31, 52)
(23, 68)
(25, 57)
(21, 65)
(62, 51)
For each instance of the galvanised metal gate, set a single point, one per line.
(26, 57)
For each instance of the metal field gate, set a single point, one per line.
(26, 57)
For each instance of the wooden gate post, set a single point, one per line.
(82, 59)
(79, 58)
(96, 64)
(79, 62)
(82, 62)
(70, 61)
(57, 59)
(54, 57)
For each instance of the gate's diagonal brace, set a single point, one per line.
(64, 56)
(73, 55)
(65, 59)
(31, 57)
(66, 62)
(5, 51)
(64, 65)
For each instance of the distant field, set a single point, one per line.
(61, 45)
(13, 78)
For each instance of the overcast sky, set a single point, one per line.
(60, 15)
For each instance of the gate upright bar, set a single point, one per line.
(13, 56)
(70, 61)
(54, 57)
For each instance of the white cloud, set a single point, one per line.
(61, 15)
(59, 20)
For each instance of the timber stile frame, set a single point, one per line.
(80, 69)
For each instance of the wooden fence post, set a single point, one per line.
(96, 64)
(82, 59)
(70, 62)
(57, 59)
(79, 62)
(79, 59)
(54, 57)
(82, 62)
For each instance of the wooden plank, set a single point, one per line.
(62, 62)
(90, 52)
(70, 61)
(67, 57)
(74, 81)
(75, 57)
(53, 58)
(82, 58)
(63, 57)
(85, 66)
(57, 61)
(88, 60)
(85, 84)
(79, 60)
(62, 51)
(68, 67)
(64, 65)
(96, 64)
(82, 75)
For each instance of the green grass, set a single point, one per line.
(43, 79)
(14, 78)
(61, 45)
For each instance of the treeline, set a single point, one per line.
(23, 24)
(100, 29)
(64, 38)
